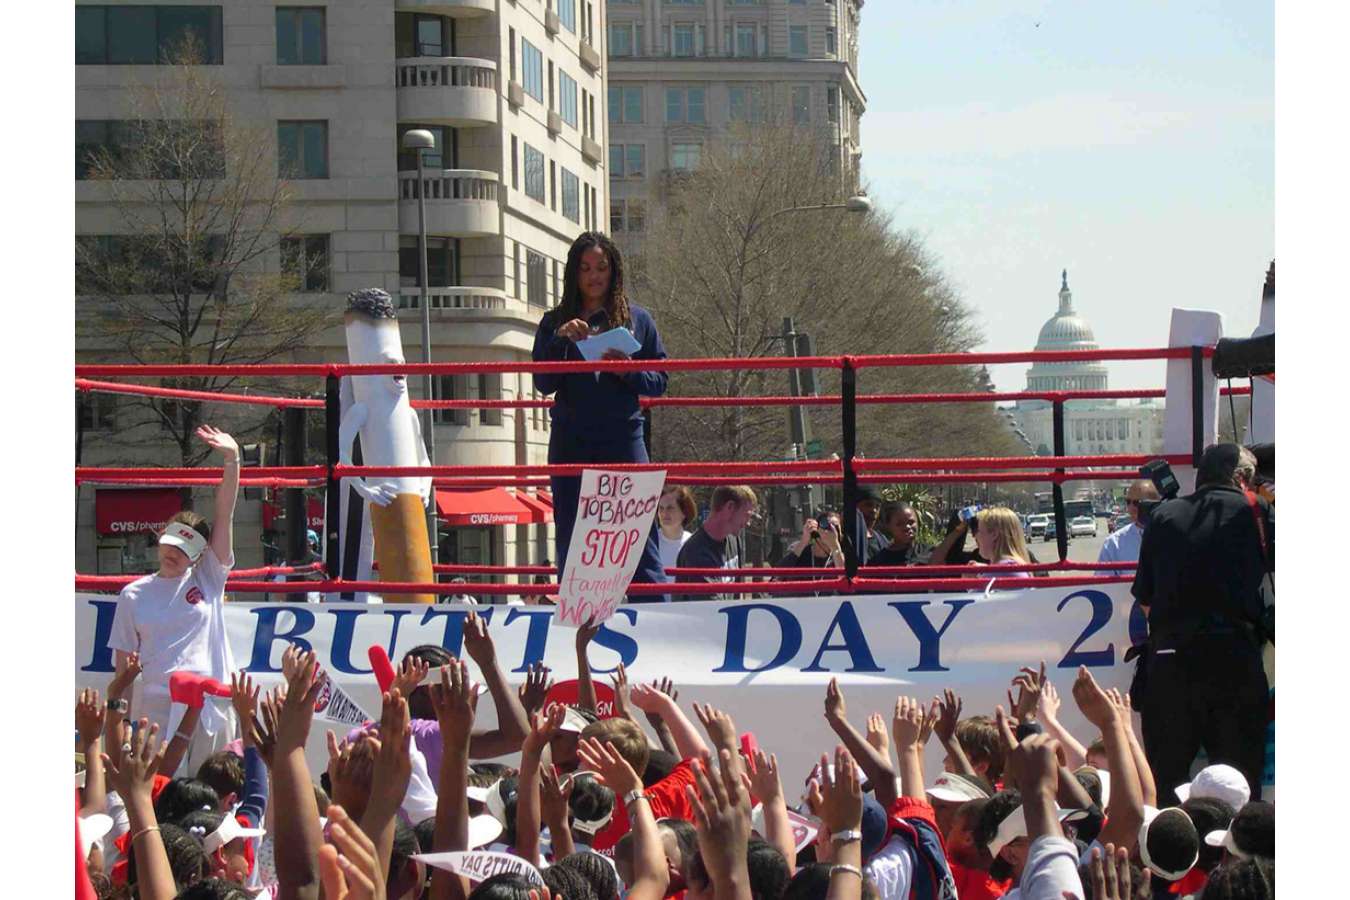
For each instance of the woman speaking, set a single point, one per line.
(596, 416)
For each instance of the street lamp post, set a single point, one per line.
(419, 141)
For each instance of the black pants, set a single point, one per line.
(1211, 693)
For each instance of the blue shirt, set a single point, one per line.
(1121, 546)
(602, 405)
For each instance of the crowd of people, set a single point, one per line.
(602, 808)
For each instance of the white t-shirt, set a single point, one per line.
(168, 621)
(892, 869)
(670, 550)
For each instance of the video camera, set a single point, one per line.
(1160, 473)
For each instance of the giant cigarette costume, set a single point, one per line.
(391, 435)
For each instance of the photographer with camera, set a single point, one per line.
(1202, 563)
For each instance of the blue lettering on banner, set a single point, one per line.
(1102, 608)
(536, 638)
(620, 643)
(789, 641)
(930, 641)
(855, 644)
(102, 660)
(453, 638)
(265, 634)
(343, 630)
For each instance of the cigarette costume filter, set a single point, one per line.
(391, 435)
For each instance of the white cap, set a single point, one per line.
(483, 830)
(574, 721)
(93, 828)
(1151, 813)
(955, 789)
(185, 538)
(1015, 826)
(477, 793)
(1219, 782)
(1225, 840)
(229, 830)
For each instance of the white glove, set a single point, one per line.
(381, 493)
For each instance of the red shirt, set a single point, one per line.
(667, 802)
(975, 884)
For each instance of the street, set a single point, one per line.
(1081, 549)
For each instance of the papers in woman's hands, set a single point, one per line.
(620, 338)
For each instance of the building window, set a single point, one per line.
(627, 214)
(615, 216)
(567, 98)
(625, 105)
(801, 104)
(489, 388)
(449, 387)
(301, 36)
(685, 157)
(682, 40)
(831, 40)
(304, 258)
(797, 40)
(536, 279)
(98, 412)
(515, 163)
(832, 105)
(146, 35)
(625, 38)
(534, 173)
(302, 150)
(422, 34)
(442, 270)
(747, 104)
(627, 160)
(511, 52)
(1123, 429)
(685, 105)
(571, 195)
(745, 40)
(567, 14)
(532, 64)
(116, 143)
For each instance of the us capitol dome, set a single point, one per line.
(1066, 330)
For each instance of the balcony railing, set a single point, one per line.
(472, 298)
(452, 90)
(459, 202)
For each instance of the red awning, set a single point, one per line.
(134, 510)
(543, 512)
(313, 508)
(486, 506)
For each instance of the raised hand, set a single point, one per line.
(612, 768)
(1029, 683)
(719, 726)
(304, 679)
(543, 728)
(841, 800)
(349, 867)
(585, 634)
(220, 441)
(535, 690)
(478, 643)
(1110, 874)
(555, 796)
(1033, 762)
(722, 818)
(392, 759)
(949, 713)
(411, 676)
(244, 698)
(131, 767)
(90, 714)
(1050, 703)
(125, 678)
(622, 703)
(876, 734)
(455, 700)
(835, 708)
(351, 769)
(930, 720)
(261, 729)
(1092, 701)
(906, 723)
(761, 777)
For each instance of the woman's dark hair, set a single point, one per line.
(996, 809)
(769, 872)
(426, 834)
(598, 872)
(616, 301)
(182, 796)
(201, 823)
(507, 787)
(506, 886)
(1209, 814)
(406, 843)
(812, 882)
(214, 889)
(433, 655)
(496, 770)
(187, 859)
(590, 801)
(1242, 879)
(568, 883)
(660, 763)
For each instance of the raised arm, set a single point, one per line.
(512, 724)
(528, 804)
(172, 756)
(1075, 754)
(227, 493)
(1147, 787)
(296, 816)
(389, 780)
(585, 684)
(663, 735)
(953, 541)
(687, 741)
(90, 714)
(128, 669)
(650, 876)
(456, 703)
(765, 786)
(840, 804)
(949, 713)
(1125, 812)
(907, 725)
(876, 766)
(131, 770)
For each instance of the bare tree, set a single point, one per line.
(738, 254)
(186, 271)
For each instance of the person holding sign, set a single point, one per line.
(175, 618)
(596, 416)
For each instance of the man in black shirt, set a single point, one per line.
(1201, 565)
(717, 543)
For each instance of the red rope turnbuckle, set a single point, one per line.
(1053, 469)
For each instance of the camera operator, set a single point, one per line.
(1202, 561)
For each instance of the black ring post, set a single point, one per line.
(1061, 526)
(332, 409)
(848, 398)
(1197, 405)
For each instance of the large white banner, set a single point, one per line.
(765, 661)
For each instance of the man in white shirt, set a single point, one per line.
(1123, 545)
(175, 618)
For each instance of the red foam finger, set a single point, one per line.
(216, 688)
(384, 669)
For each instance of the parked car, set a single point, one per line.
(1052, 530)
(1036, 525)
(1083, 525)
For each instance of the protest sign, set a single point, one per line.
(480, 865)
(614, 517)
